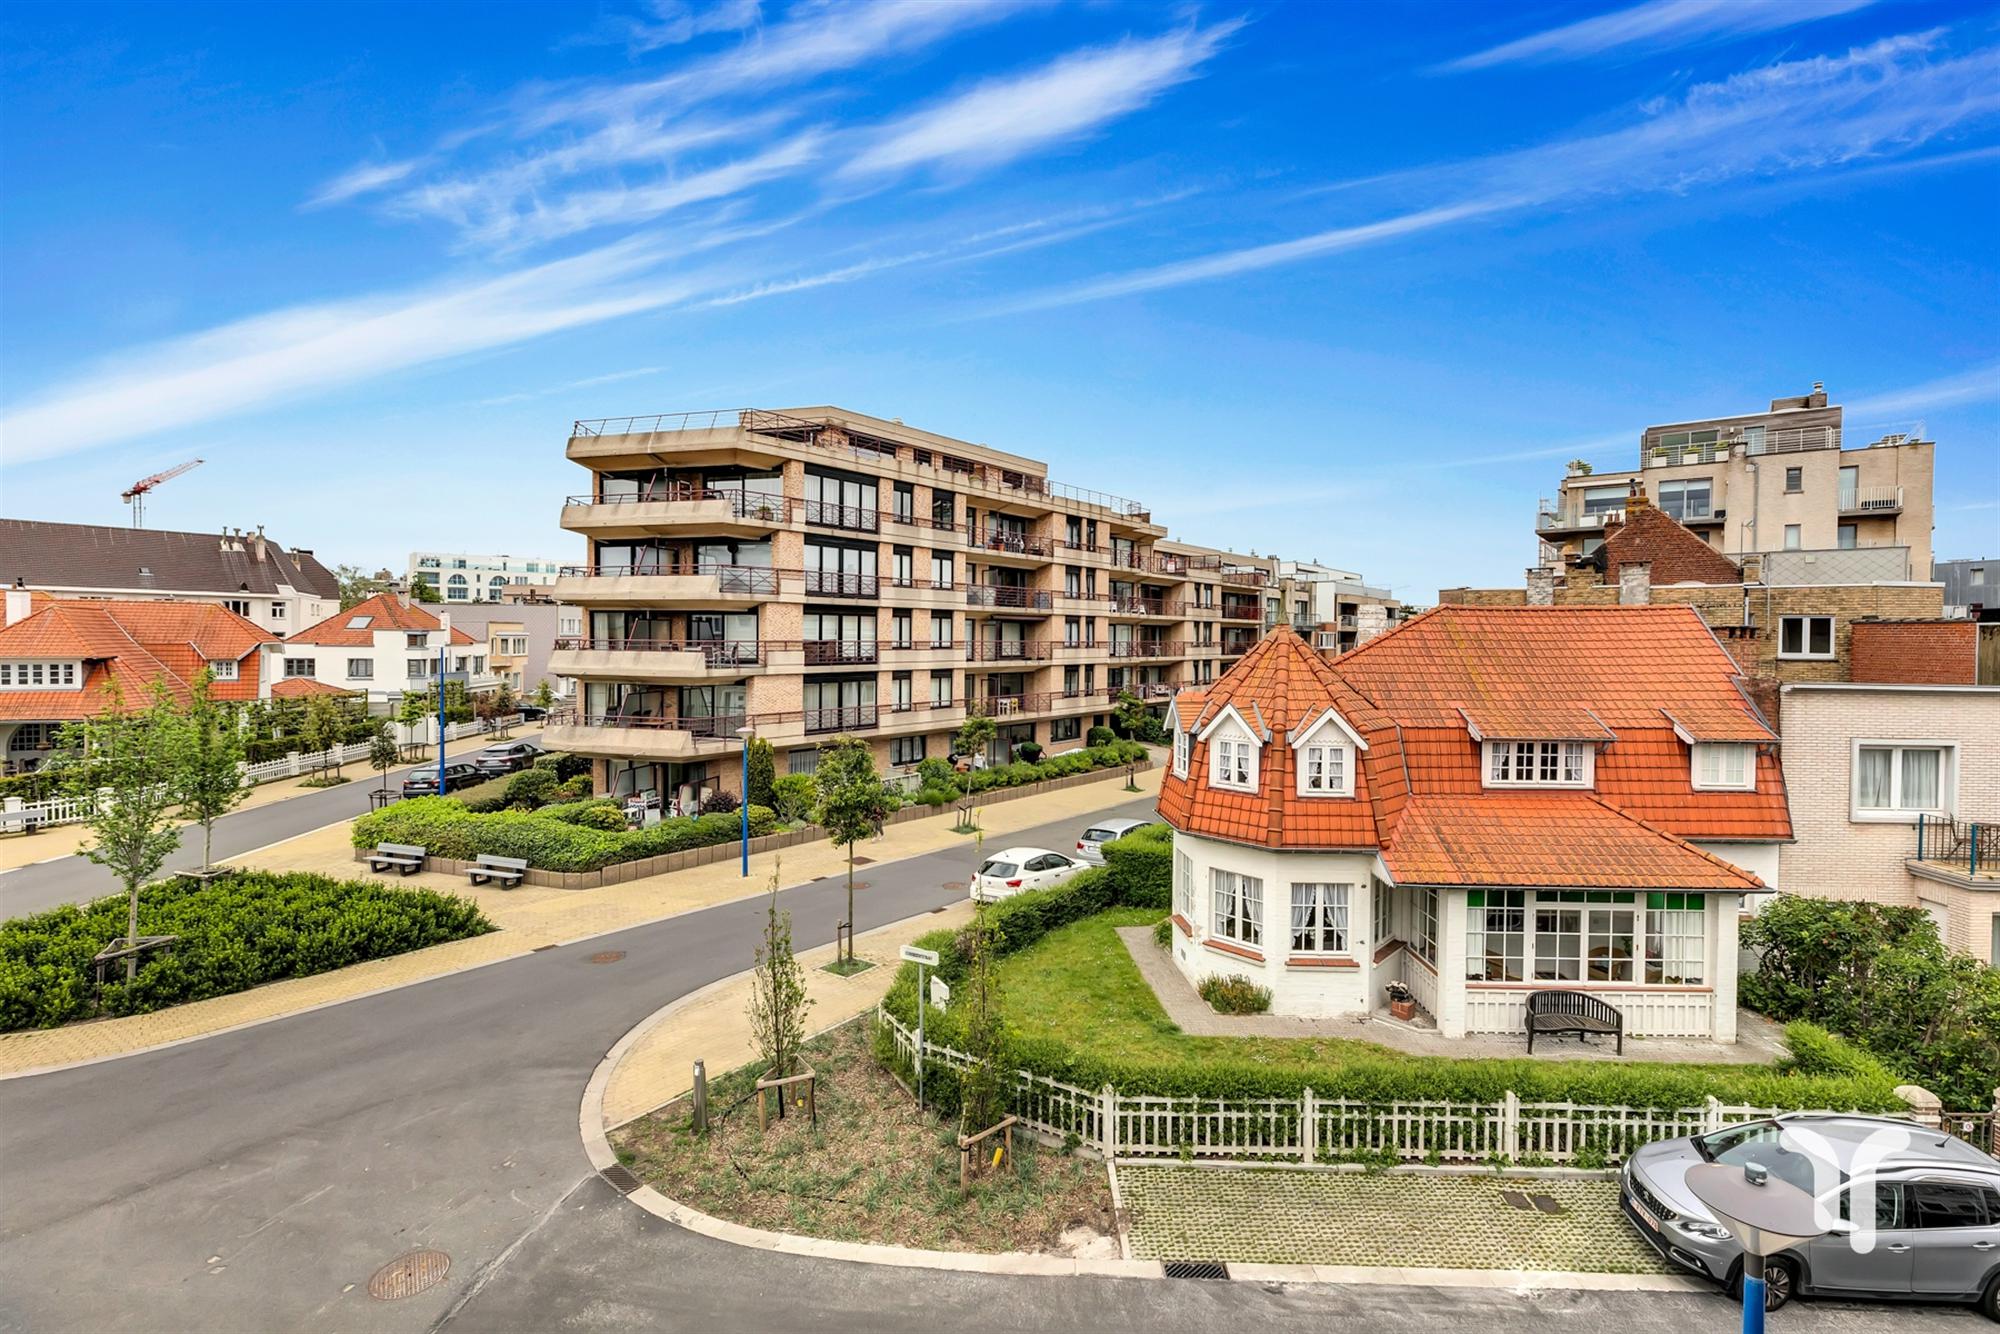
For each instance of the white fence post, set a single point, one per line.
(1308, 1127)
(292, 769)
(1510, 1126)
(1711, 1113)
(1107, 1113)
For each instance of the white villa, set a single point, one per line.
(1479, 804)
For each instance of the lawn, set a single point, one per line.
(875, 1169)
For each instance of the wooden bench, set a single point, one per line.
(407, 858)
(1560, 1012)
(505, 872)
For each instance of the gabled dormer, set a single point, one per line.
(1326, 751)
(1235, 749)
(1538, 745)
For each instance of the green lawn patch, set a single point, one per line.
(235, 932)
(846, 967)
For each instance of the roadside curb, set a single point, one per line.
(597, 1147)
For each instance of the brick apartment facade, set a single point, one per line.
(1940, 652)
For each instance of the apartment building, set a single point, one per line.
(1782, 480)
(384, 648)
(245, 573)
(815, 571)
(456, 576)
(1971, 587)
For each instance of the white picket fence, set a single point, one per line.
(15, 813)
(1310, 1128)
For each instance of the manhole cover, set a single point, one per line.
(607, 956)
(408, 1275)
(956, 884)
(622, 1178)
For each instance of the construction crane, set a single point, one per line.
(136, 495)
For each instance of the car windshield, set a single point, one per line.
(999, 870)
(1759, 1142)
(1099, 835)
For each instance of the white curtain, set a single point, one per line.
(1304, 900)
(1871, 780)
(1921, 780)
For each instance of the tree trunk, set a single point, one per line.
(207, 844)
(850, 903)
(132, 933)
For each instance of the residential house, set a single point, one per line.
(818, 571)
(247, 574)
(457, 576)
(66, 659)
(1479, 804)
(520, 637)
(1888, 784)
(385, 647)
(1782, 480)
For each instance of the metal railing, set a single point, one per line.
(841, 584)
(715, 652)
(1237, 611)
(1870, 499)
(854, 518)
(1008, 542)
(1945, 840)
(1004, 650)
(748, 580)
(839, 652)
(1008, 596)
(1126, 604)
(1147, 648)
(742, 504)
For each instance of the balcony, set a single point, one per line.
(839, 652)
(1550, 521)
(1131, 605)
(709, 512)
(1008, 650)
(1006, 597)
(1034, 703)
(1147, 648)
(1241, 611)
(841, 584)
(626, 736)
(848, 718)
(851, 518)
(1864, 500)
(657, 659)
(1960, 851)
(1004, 545)
(648, 584)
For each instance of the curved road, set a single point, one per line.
(255, 1180)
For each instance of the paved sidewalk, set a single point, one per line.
(528, 918)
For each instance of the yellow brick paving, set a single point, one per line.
(528, 917)
(1286, 1216)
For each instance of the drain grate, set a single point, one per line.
(607, 956)
(1197, 1269)
(621, 1179)
(408, 1275)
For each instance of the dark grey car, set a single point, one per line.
(1929, 1229)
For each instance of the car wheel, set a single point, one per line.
(1781, 1282)
(1989, 1303)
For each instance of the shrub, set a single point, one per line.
(935, 796)
(610, 818)
(1141, 865)
(490, 795)
(1163, 933)
(234, 933)
(1234, 994)
(566, 765)
(1030, 751)
(532, 787)
(718, 802)
(1099, 736)
(795, 795)
(578, 788)
(935, 772)
(548, 843)
(763, 766)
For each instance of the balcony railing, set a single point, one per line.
(1009, 542)
(1003, 650)
(1871, 499)
(1549, 520)
(841, 584)
(742, 504)
(1147, 648)
(839, 652)
(1969, 846)
(847, 718)
(1239, 611)
(1126, 604)
(1008, 596)
(712, 727)
(1150, 691)
(855, 518)
(716, 652)
(750, 580)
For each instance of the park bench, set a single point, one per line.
(407, 858)
(1560, 1012)
(505, 872)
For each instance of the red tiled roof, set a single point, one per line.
(385, 611)
(1618, 678)
(1528, 841)
(298, 687)
(129, 645)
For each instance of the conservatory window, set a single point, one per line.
(1239, 906)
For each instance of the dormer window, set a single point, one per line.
(223, 669)
(39, 675)
(1724, 767)
(1183, 745)
(1538, 764)
(1325, 769)
(1233, 763)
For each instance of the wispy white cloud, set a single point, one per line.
(278, 356)
(1004, 118)
(1655, 25)
(1978, 385)
(612, 378)
(362, 179)
(669, 23)
(1892, 98)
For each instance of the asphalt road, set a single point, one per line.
(255, 1180)
(30, 889)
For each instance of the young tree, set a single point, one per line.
(852, 804)
(545, 695)
(975, 734)
(504, 702)
(382, 752)
(763, 774)
(356, 587)
(415, 708)
(210, 781)
(123, 768)
(1129, 716)
(423, 592)
(321, 732)
(984, 1096)
(778, 1000)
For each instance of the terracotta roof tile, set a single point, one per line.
(130, 643)
(298, 687)
(1567, 840)
(384, 611)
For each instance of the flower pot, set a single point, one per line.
(1403, 1009)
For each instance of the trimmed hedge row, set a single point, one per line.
(548, 842)
(1141, 866)
(940, 784)
(235, 933)
(1825, 1071)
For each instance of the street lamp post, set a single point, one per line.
(1764, 1216)
(440, 790)
(744, 734)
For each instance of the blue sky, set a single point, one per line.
(1345, 282)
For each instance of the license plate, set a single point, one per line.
(1640, 1212)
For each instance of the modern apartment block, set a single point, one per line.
(456, 576)
(1782, 480)
(816, 571)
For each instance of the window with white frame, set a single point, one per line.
(1805, 636)
(1676, 939)
(1238, 901)
(1898, 779)
(1584, 936)
(277, 611)
(1184, 887)
(1380, 914)
(361, 669)
(1538, 764)
(38, 675)
(1183, 745)
(1724, 766)
(239, 606)
(1232, 762)
(1324, 770)
(1495, 935)
(1427, 924)
(223, 669)
(1319, 918)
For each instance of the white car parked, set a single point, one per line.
(1017, 870)
(1090, 847)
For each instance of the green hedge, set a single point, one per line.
(447, 829)
(235, 933)
(1825, 1072)
(1142, 867)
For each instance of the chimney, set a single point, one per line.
(1635, 583)
(1636, 498)
(257, 544)
(1541, 586)
(20, 602)
(1370, 619)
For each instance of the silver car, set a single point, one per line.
(1090, 847)
(1932, 1235)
